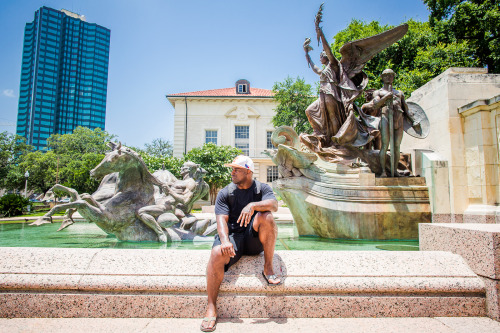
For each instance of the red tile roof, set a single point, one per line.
(226, 92)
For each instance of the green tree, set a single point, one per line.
(476, 22)
(42, 167)
(212, 158)
(76, 154)
(12, 148)
(83, 140)
(13, 204)
(293, 96)
(416, 58)
(159, 147)
(170, 163)
(76, 173)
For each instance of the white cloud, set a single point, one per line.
(8, 93)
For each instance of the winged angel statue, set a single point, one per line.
(337, 131)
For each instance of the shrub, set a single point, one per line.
(13, 204)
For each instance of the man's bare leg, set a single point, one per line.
(215, 275)
(266, 227)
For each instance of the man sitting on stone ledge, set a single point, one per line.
(245, 226)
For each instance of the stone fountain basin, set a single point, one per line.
(338, 202)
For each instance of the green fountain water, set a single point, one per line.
(87, 235)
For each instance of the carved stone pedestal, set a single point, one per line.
(335, 201)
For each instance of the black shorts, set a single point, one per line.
(244, 243)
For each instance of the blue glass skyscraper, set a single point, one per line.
(64, 75)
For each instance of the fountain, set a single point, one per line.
(335, 179)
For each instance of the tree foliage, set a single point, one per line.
(416, 58)
(13, 204)
(212, 158)
(42, 167)
(476, 22)
(12, 148)
(159, 147)
(293, 96)
(76, 173)
(170, 163)
(83, 140)
(68, 161)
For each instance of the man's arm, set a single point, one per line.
(269, 205)
(223, 231)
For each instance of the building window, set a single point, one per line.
(211, 136)
(242, 138)
(269, 142)
(272, 173)
(242, 88)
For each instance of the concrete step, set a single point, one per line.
(48, 282)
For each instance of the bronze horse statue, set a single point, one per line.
(127, 187)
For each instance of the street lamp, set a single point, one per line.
(26, 175)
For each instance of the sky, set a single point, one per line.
(161, 47)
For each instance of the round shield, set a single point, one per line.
(421, 130)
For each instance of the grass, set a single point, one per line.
(14, 221)
(35, 214)
(39, 213)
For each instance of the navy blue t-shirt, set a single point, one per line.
(241, 199)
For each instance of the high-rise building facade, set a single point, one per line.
(64, 75)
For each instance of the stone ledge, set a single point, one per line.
(46, 282)
(245, 284)
(478, 244)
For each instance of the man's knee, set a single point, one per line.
(217, 257)
(265, 219)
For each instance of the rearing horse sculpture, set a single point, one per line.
(116, 213)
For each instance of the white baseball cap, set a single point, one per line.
(241, 161)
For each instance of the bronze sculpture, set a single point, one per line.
(176, 202)
(339, 87)
(343, 132)
(392, 108)
(129, 194)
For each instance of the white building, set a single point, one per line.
(240, 117)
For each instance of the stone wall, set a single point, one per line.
(481, 135)
(442, 99)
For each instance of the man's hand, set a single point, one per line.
(227, 248)
(246, 215)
